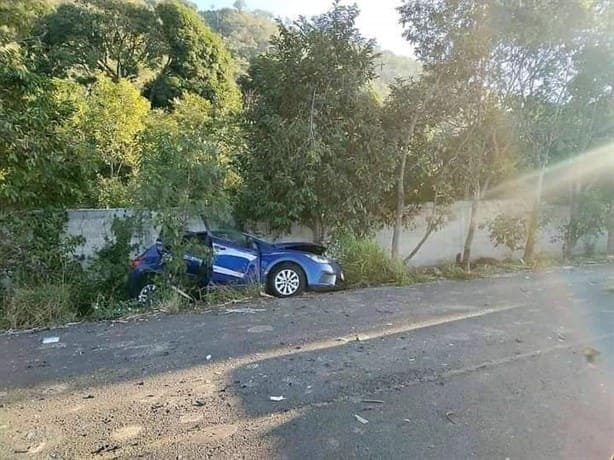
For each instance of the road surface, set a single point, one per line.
(513, 367)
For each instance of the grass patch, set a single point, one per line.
(44, 305)
(366, 264)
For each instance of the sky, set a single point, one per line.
(378, 19)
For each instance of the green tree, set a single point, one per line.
(39, 168)
(247, 34)
(413, 117)
(183, 172)
(459, 47)
(315, 154)
(106, 128)
(196, 61)
(390, 67)
(18, 17)
(115, 37)
(587, 122)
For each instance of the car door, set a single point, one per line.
(236, 260)
(198, 268)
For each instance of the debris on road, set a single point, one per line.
(450, 415)
(208, 357)
(406, 420)
(364, 421)
(198, 403)
(47, 340)
(104, 448)
(373, 401)
(591, 354)
(183, 294)
(276, 398)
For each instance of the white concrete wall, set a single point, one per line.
(95, 224)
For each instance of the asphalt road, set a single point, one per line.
(512, 367)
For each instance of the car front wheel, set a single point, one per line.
(286, 280)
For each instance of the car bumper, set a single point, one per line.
(329, 278)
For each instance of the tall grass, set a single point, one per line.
(47, 304)
(365, 263)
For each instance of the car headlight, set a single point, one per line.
(318, 259)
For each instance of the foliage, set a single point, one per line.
(106, 129)
(247, 34)
(33, 248)
(36, 270)
(315, 139)
(46, 304)
(508, 231)
(18, 17)
(196, 61)
(365, 263)
(591, 221)
(38, 166)
(107, 272)
(116, 37)
(183, 167)
(390, 67)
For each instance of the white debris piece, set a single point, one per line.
(208, 357)
(276, 398)
(47, 340)
(364, 421)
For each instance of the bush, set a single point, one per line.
(365, 263)
(107, 274)
(507, 231)
(42, 305)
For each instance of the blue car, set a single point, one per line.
(239, 259)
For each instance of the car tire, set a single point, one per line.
(146, 289)
(286, 280)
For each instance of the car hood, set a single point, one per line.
(311, 248)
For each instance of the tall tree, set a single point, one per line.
(411, 114)
(247, 34)
(39, 168)
(196, 61)
(587, 122)
(315, 153)
(116, 37)
(105, 128)
(456, 43)
(18, 17)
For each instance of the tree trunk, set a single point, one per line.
(398, 223)
(571, 236)
(318, 230)
(611, 233)
(430, 228)
(473, 223)
(529, 248)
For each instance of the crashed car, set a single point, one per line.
(240, 259)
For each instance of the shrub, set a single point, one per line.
(107, 273)
(41, 305)
(507, 231)
(365, 263)
(38, 274)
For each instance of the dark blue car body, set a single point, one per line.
(241, 259)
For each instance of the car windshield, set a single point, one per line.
(262, 229)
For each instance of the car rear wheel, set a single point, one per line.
(286, 280)
(147, 290)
